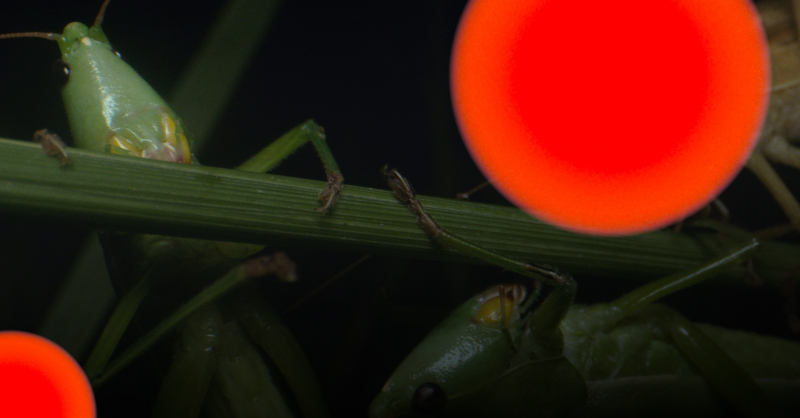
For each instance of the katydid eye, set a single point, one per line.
(428, 398)
(61, 73)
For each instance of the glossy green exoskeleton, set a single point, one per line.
(219, 365)
(112, 109)
(109, 106)
(496, 355)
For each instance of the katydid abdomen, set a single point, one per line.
(641, 345)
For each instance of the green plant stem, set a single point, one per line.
(138, 195)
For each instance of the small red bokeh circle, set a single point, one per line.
(39, 379)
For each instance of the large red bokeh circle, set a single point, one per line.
(610, 118)
(39, 379)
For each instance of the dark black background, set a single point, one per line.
(375, 75)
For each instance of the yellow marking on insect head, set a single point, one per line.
(499, 305)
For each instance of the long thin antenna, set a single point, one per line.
(99, 19)
(327, 283)
(45, 35)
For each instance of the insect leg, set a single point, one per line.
(717, 366)
(649, 293)
(405, 193)
(278, 150)
(52, 145)
(548, 316)
(779, 150)
(199, 338)
(243, 385)
(277, 264)
(264, 328)
(764, 171)
(117, 324)
(470, 192)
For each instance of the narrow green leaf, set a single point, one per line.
(121, 193)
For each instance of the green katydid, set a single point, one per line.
(496, 356)
(112, 109)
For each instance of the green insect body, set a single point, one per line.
(641, 345)
(468, 366)
(110, 108)
(468, 348)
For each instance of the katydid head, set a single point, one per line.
(74, 33)
(461, 356)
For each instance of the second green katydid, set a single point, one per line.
(112, 109)
(497, 356)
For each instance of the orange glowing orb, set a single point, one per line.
(610, 118)
(39, 379)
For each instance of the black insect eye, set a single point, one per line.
(429, 398)
(61, 73)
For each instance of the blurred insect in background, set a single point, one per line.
(112, 109)
(782, 126)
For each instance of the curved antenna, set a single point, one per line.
(45, 35)
(99, 19)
